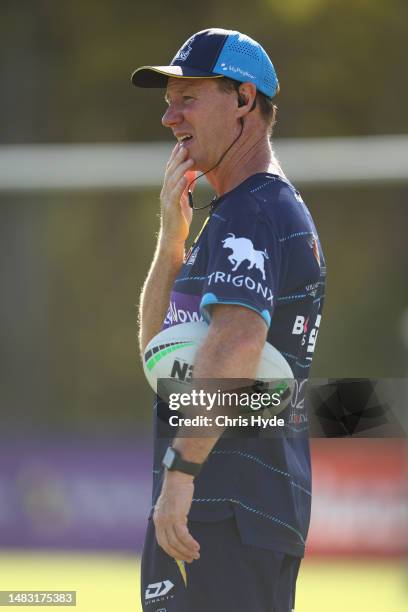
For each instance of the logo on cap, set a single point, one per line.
(184, 52)
(237, 69)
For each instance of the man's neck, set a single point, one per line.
(251, 157)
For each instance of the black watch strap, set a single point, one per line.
(173, 461)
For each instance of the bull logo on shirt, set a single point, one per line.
(243, 250)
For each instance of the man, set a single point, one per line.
(230, 517)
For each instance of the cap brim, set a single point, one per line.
(157, 76)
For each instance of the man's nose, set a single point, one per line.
(172, 116)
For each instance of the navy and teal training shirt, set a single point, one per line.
(259, 248)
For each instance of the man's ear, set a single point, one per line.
(247, 92)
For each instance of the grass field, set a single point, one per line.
(111, 583)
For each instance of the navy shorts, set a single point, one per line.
(228, 576)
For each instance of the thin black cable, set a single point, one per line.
(190, 194)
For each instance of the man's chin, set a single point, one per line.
(200, 165)
(197, 167)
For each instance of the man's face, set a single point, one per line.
(199, 110)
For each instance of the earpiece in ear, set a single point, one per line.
(241, 101)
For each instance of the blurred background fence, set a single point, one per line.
(81, 158)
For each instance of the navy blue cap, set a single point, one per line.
(215, 53)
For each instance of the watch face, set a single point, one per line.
(169, 457)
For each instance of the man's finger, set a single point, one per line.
(165, 541)
(185, 539)
(176, 159)
(173, 153)
(184, 552)
(173, 196)
(177, 182)
(178, 171)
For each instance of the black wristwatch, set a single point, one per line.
(172, 461)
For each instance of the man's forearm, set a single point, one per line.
(154, 299)
(212, 366)
(232, 350)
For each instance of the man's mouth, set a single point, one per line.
(184, 138)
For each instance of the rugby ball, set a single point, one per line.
(168, 363)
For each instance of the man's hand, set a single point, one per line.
(175, 209)
(170, 517)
